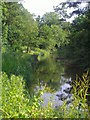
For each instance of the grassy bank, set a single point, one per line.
(18, 64)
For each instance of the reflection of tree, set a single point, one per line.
(72, 70)
(48, 71)
(52, 73)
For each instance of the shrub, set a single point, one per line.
(14, 100)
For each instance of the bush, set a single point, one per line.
(14, 100)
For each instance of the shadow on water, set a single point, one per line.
(56, 75)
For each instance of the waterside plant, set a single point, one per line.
(16, 102)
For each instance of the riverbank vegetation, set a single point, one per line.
(27, 41)
(17, 103)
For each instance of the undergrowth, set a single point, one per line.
(16, 102)
(18, 64)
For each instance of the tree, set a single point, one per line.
(77, 50)
(50, 18)
(4, 25)
(22, 29)
(45, 36)
(30, 31)
(79, 41)
(14, 22)
(62, 9)
(51, 33)
(59, 35)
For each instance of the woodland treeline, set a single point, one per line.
(51, 32)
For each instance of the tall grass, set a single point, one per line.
(16, 102)
(18, 64)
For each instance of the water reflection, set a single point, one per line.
(62, 93)
(49, 71)
(53, 74)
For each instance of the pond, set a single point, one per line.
(54, 73)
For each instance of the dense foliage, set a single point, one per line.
(25, 41)
(78, 50)
(21, 31)
(16, 102)
(49, 32)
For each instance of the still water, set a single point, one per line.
(54, 73)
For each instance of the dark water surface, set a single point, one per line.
(54, 73)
